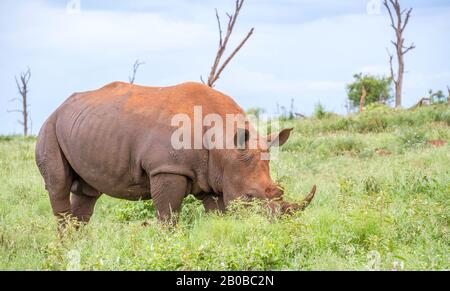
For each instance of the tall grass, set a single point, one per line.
(382, 202)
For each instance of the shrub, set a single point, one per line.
(135, 210)
(338, 146)
(443, 116)
(319, 111)
(412, 138)
(341, 124)
(371, 185)
(371, 121)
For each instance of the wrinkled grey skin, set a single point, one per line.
(116, 140)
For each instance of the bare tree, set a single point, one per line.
(448, 89)
(216, 68)
(22, 86)
(399, 24)
(347, 105)
(136, 66)
(362, 99)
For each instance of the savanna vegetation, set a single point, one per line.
(383, 180)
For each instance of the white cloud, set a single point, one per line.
(97, 32)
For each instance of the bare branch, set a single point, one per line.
(391, 58)
(220, 28)
(136, 66)
(19, 88)
(233, 54)
(448, 89)
(390, 13)
(399, 21)
(408, 49)
(362, 99)
(216, 68)
(408, 15)
(22, 87)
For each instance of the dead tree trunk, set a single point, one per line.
(398, 24)
(448, 100)
(136, 66)
(22, 86)
(216, 70)
(362, 100)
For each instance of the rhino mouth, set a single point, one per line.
(279, 206)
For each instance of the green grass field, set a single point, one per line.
(382, 203)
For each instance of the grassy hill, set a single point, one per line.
(383, 202)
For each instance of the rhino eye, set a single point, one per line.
(246, 157)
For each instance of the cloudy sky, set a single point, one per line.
(307, 50)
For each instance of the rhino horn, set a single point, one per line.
(290, 208)
(305, 203)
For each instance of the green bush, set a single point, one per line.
(443, 116)
(371, 122)
(412, 138)
(319, 111)
(135, 210)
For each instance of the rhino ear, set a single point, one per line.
(279, 139)
(241, 138)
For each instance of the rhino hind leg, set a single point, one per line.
(168, 192)
(56, 171)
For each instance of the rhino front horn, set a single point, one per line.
(291, 208)
(308, 199)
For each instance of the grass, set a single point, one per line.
(382, 204)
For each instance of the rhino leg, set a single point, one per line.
(83, 207)
(213, 203)
(83, 200)
(56, 171)
(168, 192)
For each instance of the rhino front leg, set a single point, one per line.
(168, 192)
(213, 203)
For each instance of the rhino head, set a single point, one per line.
(244, 172)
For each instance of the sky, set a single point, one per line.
(306, 50)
